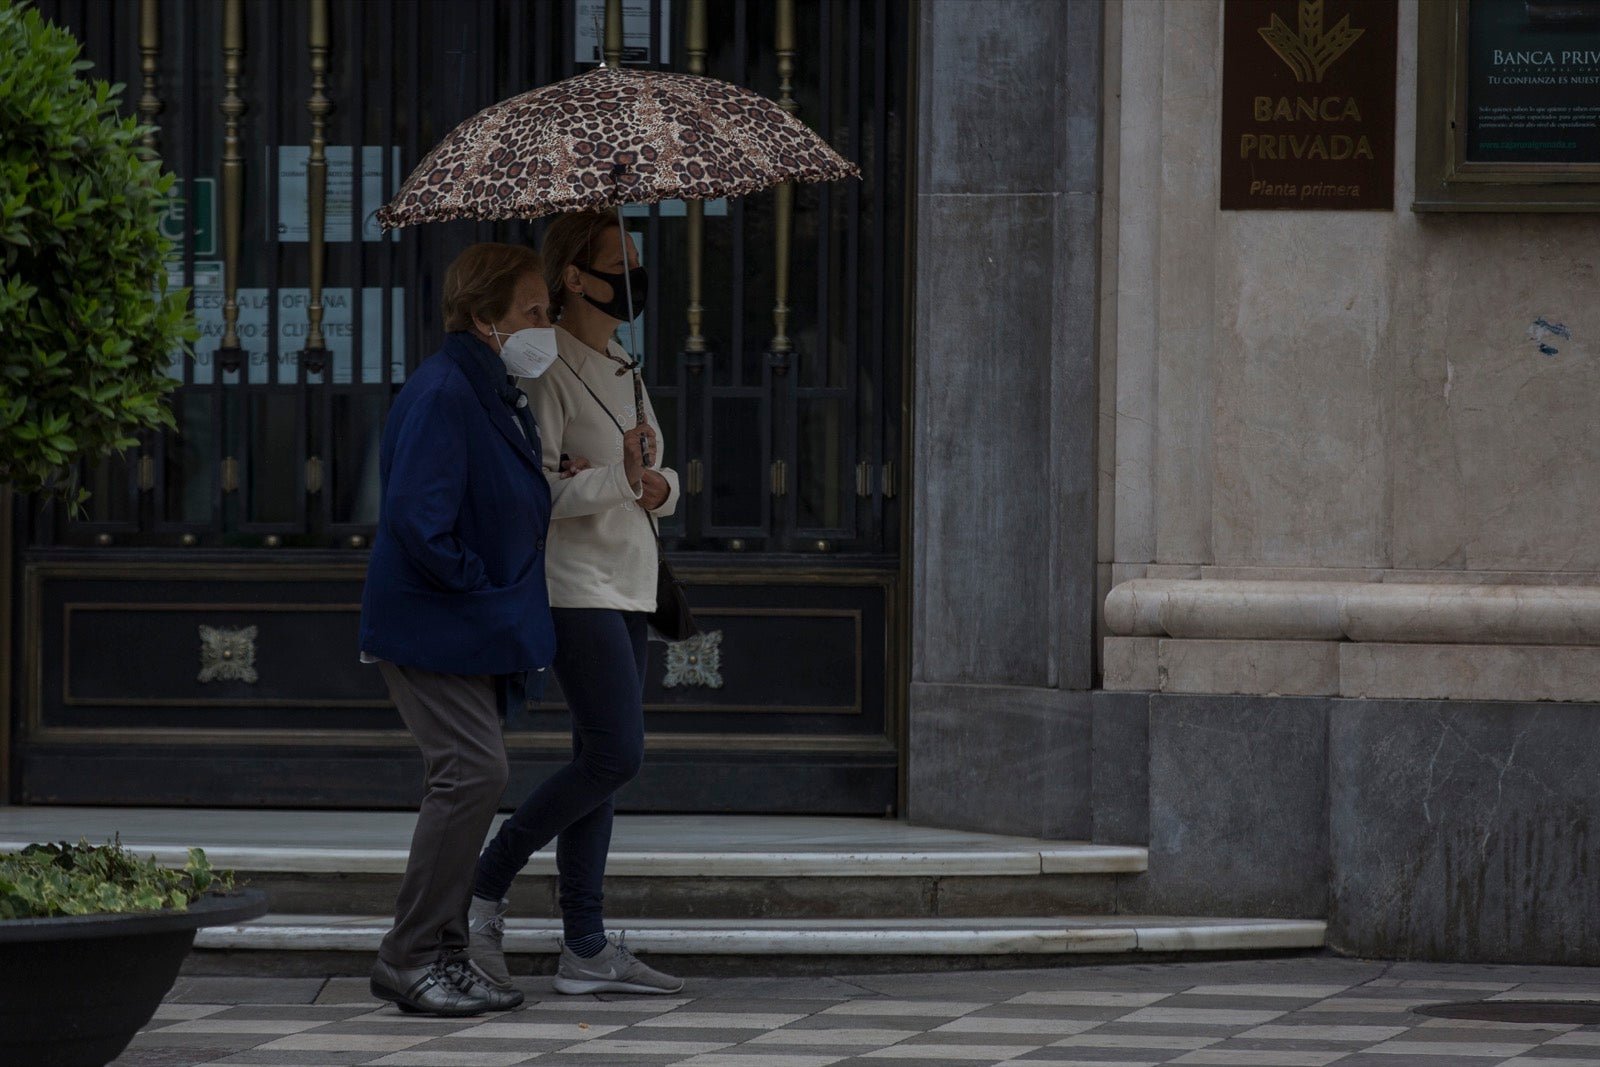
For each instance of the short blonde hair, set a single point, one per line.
(479, 285)
(569, 242)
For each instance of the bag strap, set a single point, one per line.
(592, 393)
(654, 529)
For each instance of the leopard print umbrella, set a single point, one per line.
(609, 137)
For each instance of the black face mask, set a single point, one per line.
(617, 306)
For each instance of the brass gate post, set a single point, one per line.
(780, 354)
(613, 41)
(694, 346)
(149, 53)
(314, 357)
(230, 357)
(783, 224)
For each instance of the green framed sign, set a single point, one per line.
(1508, 105)
(195, 213)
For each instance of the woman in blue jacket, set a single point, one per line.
(455, 605)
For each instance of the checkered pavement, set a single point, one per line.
(1275, 1013)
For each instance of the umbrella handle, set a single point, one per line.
(638, 406)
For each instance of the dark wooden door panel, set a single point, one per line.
(795, 712)
(673, 780)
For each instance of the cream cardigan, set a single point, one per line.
(600, 552)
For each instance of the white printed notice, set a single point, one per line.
(294, 210)
(588, 31)
(268, 359)
(339, 333)
(671, 209)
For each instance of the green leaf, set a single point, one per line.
(83, 879)
(81, 253)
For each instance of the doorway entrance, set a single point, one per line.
(191, 639)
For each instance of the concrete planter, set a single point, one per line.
(75, 990)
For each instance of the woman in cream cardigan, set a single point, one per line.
(601, 569)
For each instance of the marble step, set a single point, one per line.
(660, 867)
(1086, 934)
(769, 896)
(728, 846)
(1057, 857)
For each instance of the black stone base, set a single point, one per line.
(1437, 830)
(1466, 831)
(1000, 759)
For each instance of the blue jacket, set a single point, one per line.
(455, 583)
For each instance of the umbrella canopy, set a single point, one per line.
(610, 137)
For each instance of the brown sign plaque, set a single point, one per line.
(1308, 104)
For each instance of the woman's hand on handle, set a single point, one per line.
(656, 491)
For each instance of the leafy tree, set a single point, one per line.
(87, 324)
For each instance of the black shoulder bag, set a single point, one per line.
(672, 618)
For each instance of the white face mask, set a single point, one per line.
(527, 353)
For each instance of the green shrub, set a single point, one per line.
(84, 879)
(87, 324)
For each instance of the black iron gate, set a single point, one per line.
(191, 639)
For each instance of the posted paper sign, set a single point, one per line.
(294, 211)
(588, 32)
(268, 359)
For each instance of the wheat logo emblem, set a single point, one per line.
(1312, 51)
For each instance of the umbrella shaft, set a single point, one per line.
(633, 348)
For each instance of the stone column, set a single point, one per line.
(1003, 591)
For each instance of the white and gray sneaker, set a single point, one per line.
(612, 970)
(486, 933)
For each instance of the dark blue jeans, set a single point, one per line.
(600, 662)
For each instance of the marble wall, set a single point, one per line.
(1329, 389)
(1352, 399)
(1008, 246)
(1003, 595)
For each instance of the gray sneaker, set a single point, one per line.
(612, 970)
(486, 933)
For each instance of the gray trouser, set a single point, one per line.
(456, 723)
